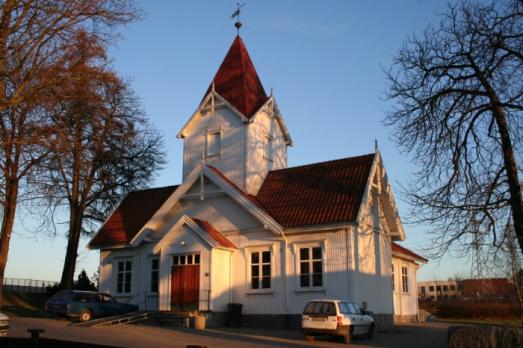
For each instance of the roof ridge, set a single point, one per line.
(155, 188)
(324, 162)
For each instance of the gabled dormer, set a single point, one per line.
(237, 128)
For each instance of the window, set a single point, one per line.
(191, 259)
(445, 288)
(453, 288)
(213, 144)
(124, 275)
(393, 285)
(311, 274)
(404, 279)
(422, 289)
(82, 298)
(438, 288)
(267, 147)
(155, 268)
(260, 270)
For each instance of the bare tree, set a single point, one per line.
(104, 145)
(514, 263)
(32, 37)
(458, 102)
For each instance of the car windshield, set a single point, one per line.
(344, 308)
(61, 296)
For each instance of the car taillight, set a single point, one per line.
(338, 320)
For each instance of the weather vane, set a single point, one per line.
(236, 13)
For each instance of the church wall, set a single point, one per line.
(258, 164)
(141, 259)
(231, 159)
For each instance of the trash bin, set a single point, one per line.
(234, 314)
(199, 322)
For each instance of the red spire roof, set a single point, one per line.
(237, 81)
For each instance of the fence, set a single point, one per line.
(27, 285)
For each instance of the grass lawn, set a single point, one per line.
(498, 322)
(25, 304)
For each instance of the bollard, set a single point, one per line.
(35, 336)
(186, 322)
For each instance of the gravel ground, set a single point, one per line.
(404, 335)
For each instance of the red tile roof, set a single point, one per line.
(130, 216)
(402, 250)
(211, 231)
(237, 81)
(315, 194)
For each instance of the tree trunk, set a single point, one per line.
(73, 240)
(516, 201)
(8, 219)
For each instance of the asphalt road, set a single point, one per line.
(404, 335)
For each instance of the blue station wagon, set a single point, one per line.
(85, 305)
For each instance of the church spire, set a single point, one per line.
(237, 80)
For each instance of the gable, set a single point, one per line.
(321, 193)
(194, 231)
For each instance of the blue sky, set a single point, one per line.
(323, 60)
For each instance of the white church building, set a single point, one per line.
(242, 227)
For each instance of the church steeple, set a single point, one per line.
(237, 80)
(237, 129)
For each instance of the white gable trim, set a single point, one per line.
(377, 163)
(276, 114)
(186, 220)
(222, 101)
(156, 220)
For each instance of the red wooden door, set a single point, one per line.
(185, 286)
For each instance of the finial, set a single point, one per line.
(376, 145)
(236, 13)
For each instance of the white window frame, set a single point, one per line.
(125, 275)
(248, 256)
(297, 247)
(151, 275)
(404, 279)
(208, 153)
(393, 280)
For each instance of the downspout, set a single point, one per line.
(347, 262)
(230, 277)
(286, 282)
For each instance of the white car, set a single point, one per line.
(335, 317)
(4, 324)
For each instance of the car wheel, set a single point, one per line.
(371, 331)
(309, 338)
(348, 336)
(85, 316)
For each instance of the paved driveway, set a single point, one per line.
(405, 336)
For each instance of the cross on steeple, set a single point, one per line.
(236, 13)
